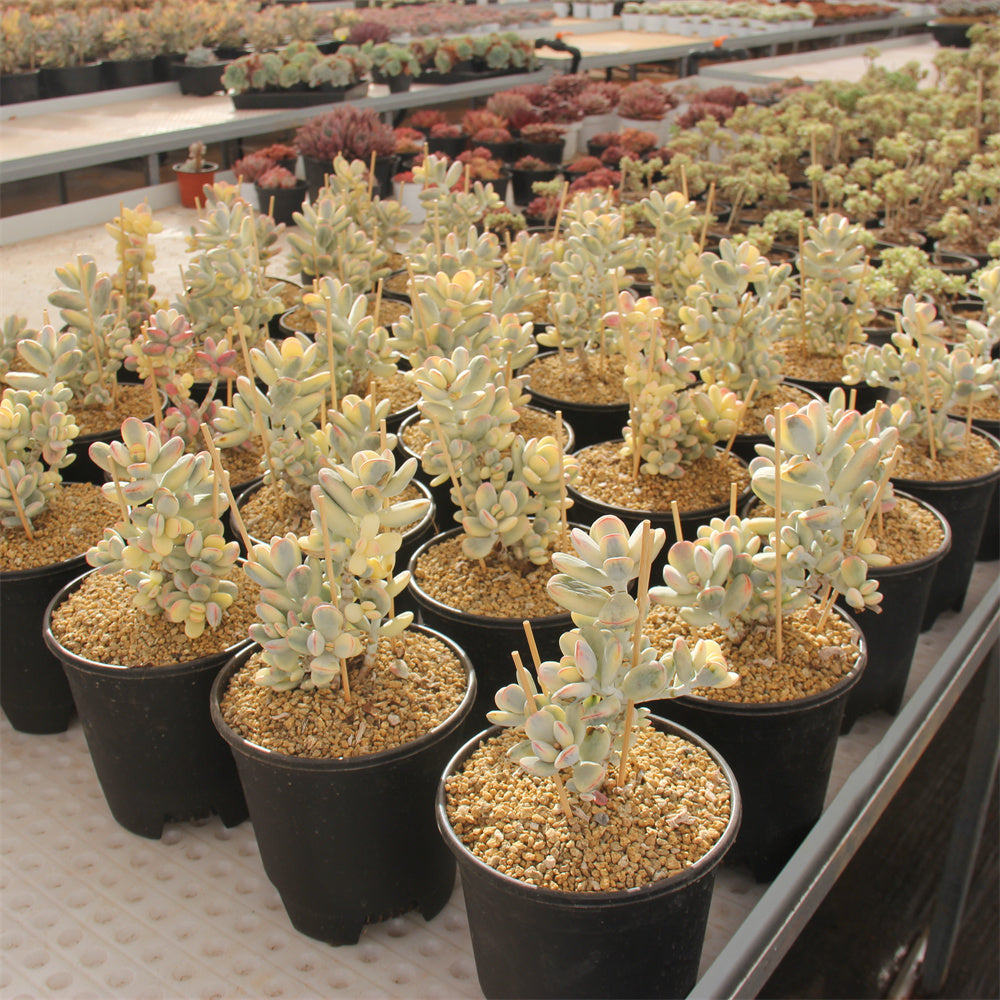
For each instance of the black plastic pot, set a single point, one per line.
(866, 395)
(530, 941)
(117, 73)
(782, 753)
(449, 145)
(522, 180)
(550, 152)
(150, 736)
(949, 34)
(891, 635)
(285, 201)
(965, 503)
(488, 641)
(199, 81)
(592, 422)
(351, 841)
(34, 693)
(587, 510)
(17, 88)
(67, 81)
(989, 544)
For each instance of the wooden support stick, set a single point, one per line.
(883, 482)
(826, 606)
(778, 596)
(451, 465)
(932, 444)
(732, 498)
(154, 392)
(18, 506)
(678, 528)
(563, 797)
(709, 205)
(535, 657)
(376, 312)
(684, 184)
(371, 177)
(559, 211)
(852, 398)
(223, 477)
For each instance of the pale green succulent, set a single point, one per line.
(326, 597)
(450, 207)
(830, 474)
(672, 422)
(596, 254)
(931, 379)
(575, 721)
(172, 548)
(133, 291)
(84, 302)
(508, 489)
(230, 221)
(330, 242)
(36, 430)
(981, 336)
(834, 305)
(734, 315)
(475, 251)
(12, 332)
(360, 349)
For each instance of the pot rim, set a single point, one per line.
(457, 614)
(661, 887)
(12, 576)
(207, 167)
(706, 512)
(363, 762)
(119, 669)
(903, 569)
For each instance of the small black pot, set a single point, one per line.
(68, 81)
(550, 152)
(17, 88)
(530, 941)
(155, 751)
(965, 503)
(348, 842)
(522, 180)
(34, 692)
(588, 510)
(891, 634)
(866, 395)
(989, 544)
(950, 35)
(448, 145)
(286, 201)
(488, 641)
(199, 81)
(782, 753)
(118, 73)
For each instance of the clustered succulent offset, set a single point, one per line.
(132, 298)
(834, 303)
(327, 597)
(171, 546)
(831, 472)
(35, 428)
(579, 718)
(672, 423)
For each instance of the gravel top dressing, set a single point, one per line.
(979, 458)
(673, 808)
(385, 711)
(73, 521)
(100, 622)
(563, 376)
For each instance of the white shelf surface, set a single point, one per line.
(91, 912)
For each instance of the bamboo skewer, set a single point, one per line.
(732, 498)
(778, 595)
(642, 598)
(739, 420)
(678, 528)
(154, 392)
(535, 657)
(563, 513)
(223, 477)
(709, 205)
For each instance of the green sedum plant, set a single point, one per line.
(171, 547)
(326, 597)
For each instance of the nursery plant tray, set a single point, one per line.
(468, 75)
(251, 99)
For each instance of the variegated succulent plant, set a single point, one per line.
(327, 597)
(734, 315)
(831, 474)
(453, 205)
(834, 305)
(931, 379)
(672, 422)
(172, 546)
(579, 718)
(85, 304)
(133, 292)
(36, 428)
